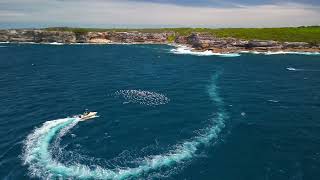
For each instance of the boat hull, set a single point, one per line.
(88, 116)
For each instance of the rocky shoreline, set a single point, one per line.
(198, 42)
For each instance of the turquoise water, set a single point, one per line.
(161, 115)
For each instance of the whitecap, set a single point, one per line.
(291, 69)
(307, 70)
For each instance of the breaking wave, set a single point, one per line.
(283, 52)
(56, 43)
(142, 97)
(37, 154)
(186, 50)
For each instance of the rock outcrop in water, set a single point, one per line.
(202, 42)
(198, 41)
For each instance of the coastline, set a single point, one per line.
(187, 49)
(195, 43)
(181, 49)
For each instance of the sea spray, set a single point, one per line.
(38, 157)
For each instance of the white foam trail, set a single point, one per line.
(283, 52)
(38, 157)
(187, 50)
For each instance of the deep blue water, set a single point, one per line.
(162, 115)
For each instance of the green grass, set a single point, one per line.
(309, 34)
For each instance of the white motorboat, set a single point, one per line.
(88, 115)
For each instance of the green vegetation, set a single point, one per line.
(171, 38)
(306, 34)
(309, 34)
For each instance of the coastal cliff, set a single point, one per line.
(44, 36)
(197, 41)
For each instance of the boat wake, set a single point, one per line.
(38, 153)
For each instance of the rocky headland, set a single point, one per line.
(196, 41)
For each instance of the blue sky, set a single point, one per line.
(158, 13)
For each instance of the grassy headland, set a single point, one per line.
(310, 34)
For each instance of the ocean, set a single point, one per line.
(164, 113)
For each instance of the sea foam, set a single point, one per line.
(189, 51)
(292, 69)
(283, 53)
(142, 97)
(56, 43)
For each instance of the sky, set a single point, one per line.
(158, 13)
